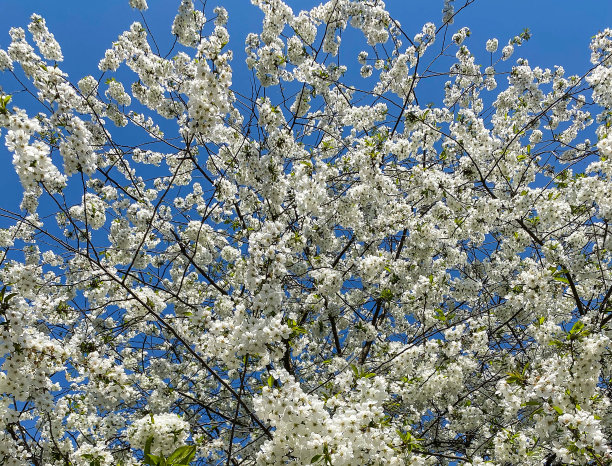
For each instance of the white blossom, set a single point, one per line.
(295, 261)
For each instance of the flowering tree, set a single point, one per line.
(321, 272)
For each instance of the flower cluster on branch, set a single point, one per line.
(324, 271)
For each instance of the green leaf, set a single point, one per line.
(315, 459)
(153, 460)
(147, 448)
(440, 315)
(561, 279)
(559, 410)
(518, 377)
(182, 456)
(295, 328)
(361, 374)
(536, 411)
(386, 295)
(577, 327)
(3, 103)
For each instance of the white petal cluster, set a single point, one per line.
(92, 210)
(492, 45)
(187, 24)
(87, 453)
(306, 430)
(31, 160)
(139, 4)
(507, 51)
(116, 92)
(48, 46)
(167, 429)
(315, 265)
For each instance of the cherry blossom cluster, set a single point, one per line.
(309, 265)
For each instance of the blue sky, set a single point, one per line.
(85, 29)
